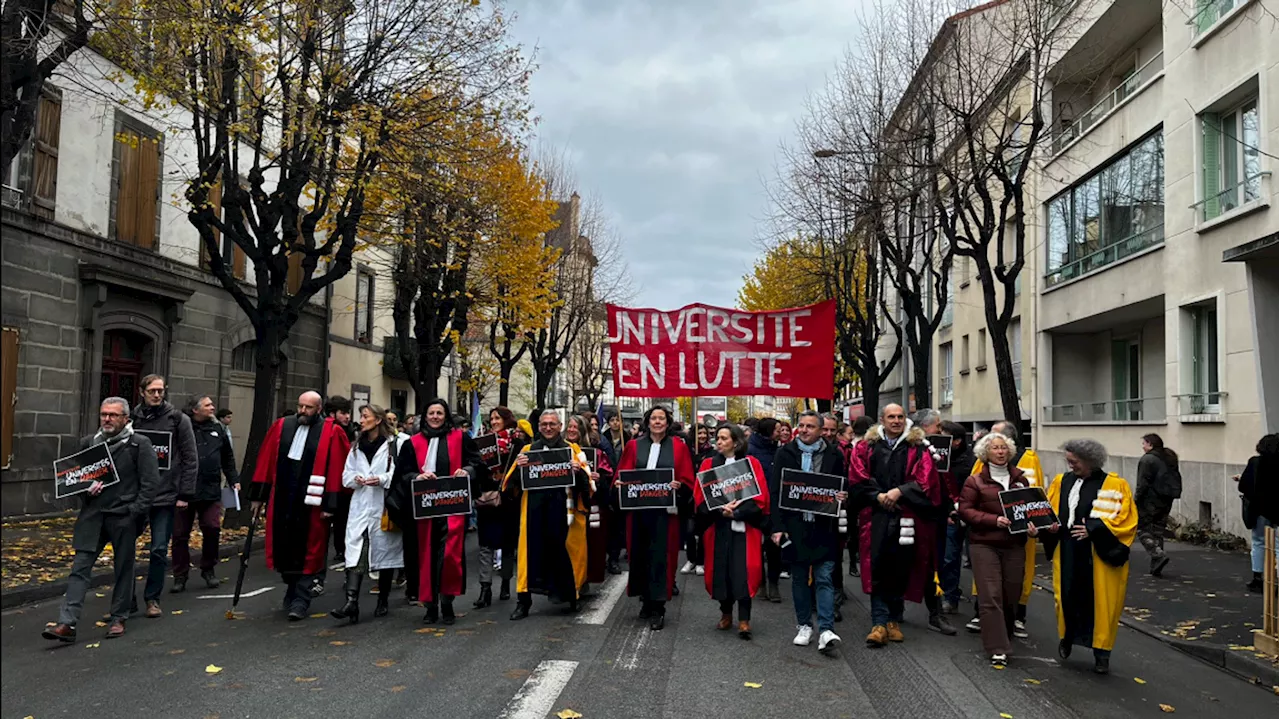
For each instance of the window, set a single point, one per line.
(136, 169)
(1116, 212)
(946, 391)
(364, 306)
(400, 403)
(982, 350)
(1015, 353)
(1231, 168)
(232, 255)
(1204, 358)
(1209, 12)
(8, 392)
(1126, 380)
(964, 355)
(32, 183)
(243, 358)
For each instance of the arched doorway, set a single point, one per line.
(124, 358)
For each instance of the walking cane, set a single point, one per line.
(244, 563)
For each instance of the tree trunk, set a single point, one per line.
(921, 374)
(267, 372)
(542, 385)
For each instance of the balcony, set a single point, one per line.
(946, 394)
(1240, 196)
(1213, 11)
(1106, 256)
(1143, 410)
(1131, 86)
(10, 196)
(1202, 407)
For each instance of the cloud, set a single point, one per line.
(672, 112)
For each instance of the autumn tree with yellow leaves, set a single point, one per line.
(298, 115)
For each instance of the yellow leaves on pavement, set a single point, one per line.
(213, 669)
(568, 714)
(1032, 681)
(304, 680)
(1167, 709)
(1004, 715)
(177, 651)
(176, 612)
(318, 615)
(95, 645)
(1139, 680)
(752, 685)
(384, 663)
(339, 643)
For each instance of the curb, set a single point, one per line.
(1247, 668)
(20, 596)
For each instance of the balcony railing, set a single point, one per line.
(10, 196)
(1243, 192)
(946, 395)
(1094, 115)
(1210, 12)
(1144, 409)
(1201, 403)
(1110, 254)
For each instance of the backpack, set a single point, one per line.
(1169, 481)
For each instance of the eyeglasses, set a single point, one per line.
(154, 390)
(110, 415)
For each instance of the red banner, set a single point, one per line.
(700, 350)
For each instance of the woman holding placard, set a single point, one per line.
(997, 555)
(734, 533)
(653, 535)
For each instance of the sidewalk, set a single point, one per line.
(1200, 606)
(35, 557)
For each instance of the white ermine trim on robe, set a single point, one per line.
(299, 444)
(1073, 502)
(1103, 505)
(315, 491)
(1110, 494)
(906, 541)
(907, 532)
(317, 480)
(908, 522)
(568, 506)
(312, 500)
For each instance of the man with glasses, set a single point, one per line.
(177, 483)
(299, 477)
(109, 513)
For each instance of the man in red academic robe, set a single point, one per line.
(299, 476)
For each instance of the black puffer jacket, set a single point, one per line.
(179, 481)
(217, 460)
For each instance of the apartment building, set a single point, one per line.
(1156, 300)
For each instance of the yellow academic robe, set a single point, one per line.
(1114, 506)
(575, 542)
(1034, 474)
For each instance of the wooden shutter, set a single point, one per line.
(137, 188)
(44, 177)
(148, 191)
(9, 389)
(294, 281)
(215, 200)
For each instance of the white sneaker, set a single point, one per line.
(784, 575)
(804, 634)
(1020, 629)
(974, 625)
(687, 568)
(699, 570)
(828, 642)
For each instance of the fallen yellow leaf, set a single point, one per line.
(424, 630)
(752, 685)
(1139, 680)
(1032, 681)
(319, 615)
(1167, 709)
(213, 669)
(304, 679)
(998, 667)
(399, 688)
(1005, 716)
(99, 623)
(339, 644)
(176, 612)
(384, 663)
(95, 645)
(568, 714)
(177, 651)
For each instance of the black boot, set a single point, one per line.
(1256, 584)
(433, 613)
(447, 616)
(523, 602)
(351, 610)
(486, 596)
(611, 566)
(505, 593)
(385, 580)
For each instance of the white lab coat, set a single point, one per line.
(386, 549)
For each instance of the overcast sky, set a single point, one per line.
(672, 111)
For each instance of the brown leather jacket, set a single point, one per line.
(980, 507)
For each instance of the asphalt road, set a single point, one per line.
(600, 663)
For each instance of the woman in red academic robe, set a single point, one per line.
(653, 535)
(734, 534)
(578, 431)
(435, 547)
(299, 476)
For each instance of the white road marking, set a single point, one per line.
(632, 646)
(602, 607)
(254, 593)
(538, 694)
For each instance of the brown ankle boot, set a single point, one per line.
(726, 621)
(744, 629)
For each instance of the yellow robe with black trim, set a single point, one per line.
(1034, 474)
(1115, 507)
(576, 540)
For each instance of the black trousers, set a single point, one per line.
(744, 608)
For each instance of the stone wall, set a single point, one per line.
(62, 289)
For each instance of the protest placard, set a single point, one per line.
(548, 469)
(728, 483)
(162, 443)
(810, 492)
(646, 489)
(75, 473)
(941, 444)
(1027, 505)
(489, 453)
(441, 497)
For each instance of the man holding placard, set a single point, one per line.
(653, 534)
(807, 525)
(112, 506)
(174, 442)
(552, 485)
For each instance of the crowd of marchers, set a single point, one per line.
(907, 520)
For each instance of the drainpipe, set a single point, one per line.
(328, 319)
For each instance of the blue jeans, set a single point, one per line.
(825, 594)
(1259, 549)
(952, 559)
(161, 521)
(885, 609)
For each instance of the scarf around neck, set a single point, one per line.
(120, 436)
(807, 451)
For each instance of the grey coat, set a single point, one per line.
(125, 501)
(179, 481)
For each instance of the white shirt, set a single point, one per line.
(433, 449)
(1073, 499)
(652, 461)
(299, 442)
(1000, 475)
